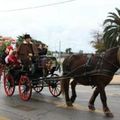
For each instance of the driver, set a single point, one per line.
(27, 52)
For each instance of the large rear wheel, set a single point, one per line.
(54, 86)
(25, 88)
(9, 85)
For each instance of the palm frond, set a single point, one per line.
(107, 28)
(108, 21)
(114, 15)
(118, 11)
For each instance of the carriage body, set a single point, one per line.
(38, 77)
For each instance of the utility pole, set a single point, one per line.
(60, 54)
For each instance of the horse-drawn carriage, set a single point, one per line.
(41, 76)
(96, 71)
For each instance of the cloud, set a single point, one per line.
(69, 23)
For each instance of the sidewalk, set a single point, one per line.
(115, 80)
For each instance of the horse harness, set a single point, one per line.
(92, 69)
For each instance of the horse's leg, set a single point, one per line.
(66, 91)
(73, 85)
(103, 97)
(92, 99)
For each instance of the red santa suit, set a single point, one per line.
(13, 60)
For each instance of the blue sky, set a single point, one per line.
(71, 23)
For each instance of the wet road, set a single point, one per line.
(45, 107)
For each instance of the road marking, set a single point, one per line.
(4, 118)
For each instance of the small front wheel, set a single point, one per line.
(25, 88)
(38, 87)
(54, 86)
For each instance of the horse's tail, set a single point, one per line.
(65, 84)
(65, 80)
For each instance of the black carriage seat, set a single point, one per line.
(16, 73)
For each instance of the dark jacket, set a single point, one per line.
(25, 50)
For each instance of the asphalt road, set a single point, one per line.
(45, 107)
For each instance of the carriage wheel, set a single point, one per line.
(54, 86)
(9, 85)
(39, 87)
(25, 88)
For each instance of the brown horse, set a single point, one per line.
(97, 71)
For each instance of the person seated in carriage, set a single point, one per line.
(6, 54)
(52, 65)
(14, 65)
(14, 61)
(42, 51)
(28, 53)
(4, 58)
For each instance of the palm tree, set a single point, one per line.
(111, 33)
(98, 42)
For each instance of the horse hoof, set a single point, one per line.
(109, 114)
(69, 104)
(91, 107)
